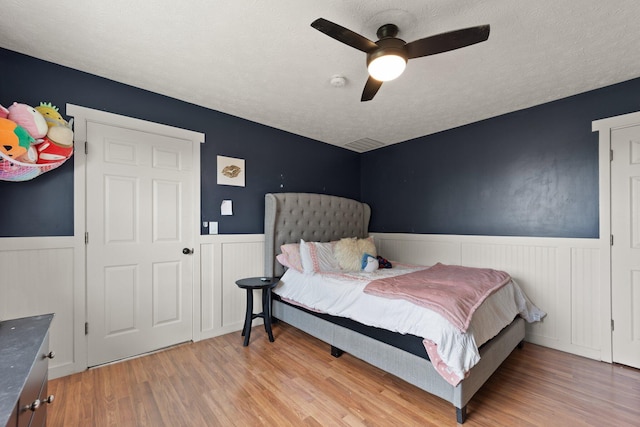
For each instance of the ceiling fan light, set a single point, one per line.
(387, 67)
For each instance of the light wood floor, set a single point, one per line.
(295, 381)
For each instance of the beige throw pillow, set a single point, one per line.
(349, 252)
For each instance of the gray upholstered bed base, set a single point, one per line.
(315, 217)
(409, 367)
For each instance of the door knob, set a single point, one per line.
(187, 251)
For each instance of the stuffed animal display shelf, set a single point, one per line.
(32, 140)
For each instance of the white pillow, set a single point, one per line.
(318, 257)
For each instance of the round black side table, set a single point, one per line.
(250, 284)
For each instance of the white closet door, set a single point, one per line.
(625, 255)
(139, 221)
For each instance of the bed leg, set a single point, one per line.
(521, 345)
(336, 352)
(461, 414)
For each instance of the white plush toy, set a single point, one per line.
(369, 263)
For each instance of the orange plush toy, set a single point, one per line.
(14, 139)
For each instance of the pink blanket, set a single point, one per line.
(453, 291)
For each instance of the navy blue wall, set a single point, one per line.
(533, 172)
(529, 173)
(275, 160)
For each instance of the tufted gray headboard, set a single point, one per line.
(289, 217)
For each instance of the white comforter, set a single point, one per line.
(342, 295)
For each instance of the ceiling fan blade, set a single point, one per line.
(447, 41)
(370, 89)
(344, 35)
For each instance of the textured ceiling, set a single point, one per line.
(261, 60)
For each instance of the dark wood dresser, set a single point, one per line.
(24, 364)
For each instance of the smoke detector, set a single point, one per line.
(338, 81)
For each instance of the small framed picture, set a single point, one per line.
(231, 171)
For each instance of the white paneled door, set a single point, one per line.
(139, 224)
(625, 252)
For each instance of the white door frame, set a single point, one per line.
(604, 127)
(81, 116)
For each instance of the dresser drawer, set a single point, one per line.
(24, 365)
(32, 407)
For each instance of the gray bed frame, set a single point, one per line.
(290, 217)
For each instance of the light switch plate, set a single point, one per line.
(213, 227)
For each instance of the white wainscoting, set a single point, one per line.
(567, 278)
(40, 275)
(223, 260)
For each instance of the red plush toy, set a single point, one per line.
(51, 152)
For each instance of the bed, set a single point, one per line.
(290, 217)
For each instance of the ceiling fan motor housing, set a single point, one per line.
(388, 46)
(387, 61)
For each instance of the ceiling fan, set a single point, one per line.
(387, 58)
